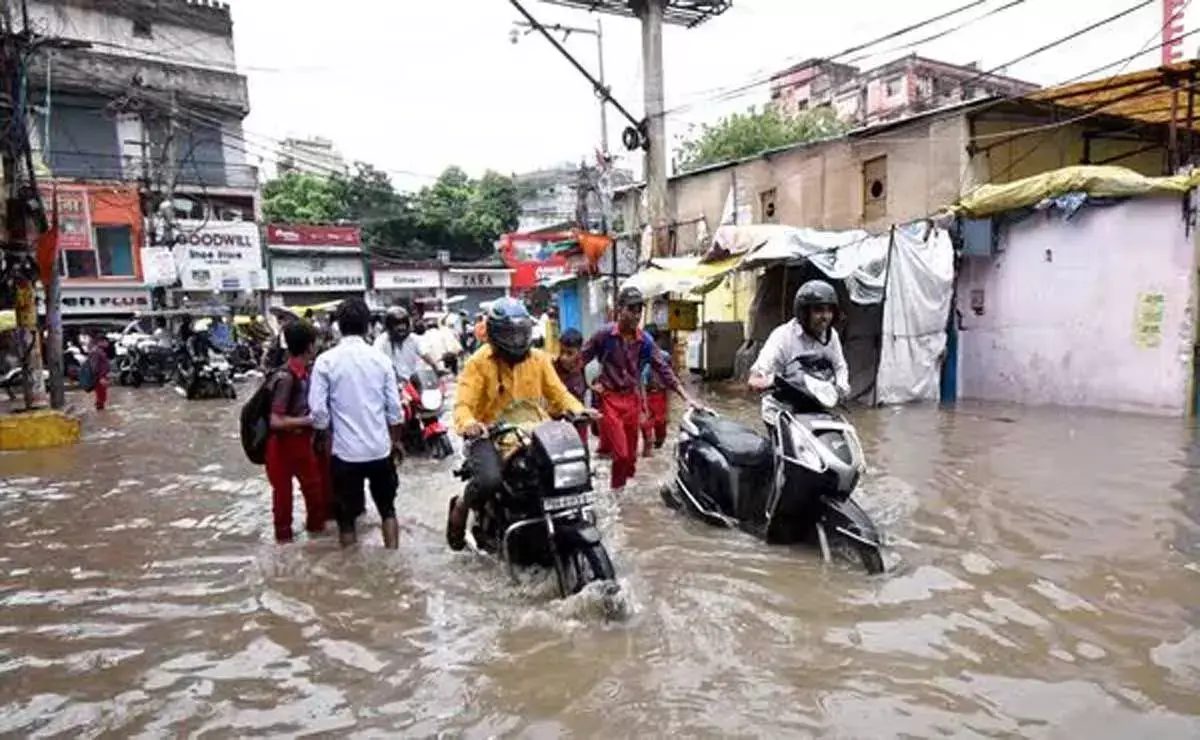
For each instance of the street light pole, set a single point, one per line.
(566, 31)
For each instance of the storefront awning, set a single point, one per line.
(681, 275)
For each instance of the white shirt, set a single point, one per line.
(405, 358)
(789, 341)
(353, 392)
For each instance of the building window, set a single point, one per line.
(766, 204)
(893, 87)
(141, 29)
(79, 263)
(875, 188)
(114, 248)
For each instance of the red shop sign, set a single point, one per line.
(74, 217)
(313, 236)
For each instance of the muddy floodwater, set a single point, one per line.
(1045, 582)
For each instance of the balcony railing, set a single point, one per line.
(191, 171)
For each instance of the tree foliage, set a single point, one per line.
(746, 134)
(456, 213)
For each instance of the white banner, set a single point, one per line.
(406, 279)
(312, 274)
(158, 266)
(218, 255)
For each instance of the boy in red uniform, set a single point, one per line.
(623, 350)
(654, 426)
(290, 447)
(569, 366)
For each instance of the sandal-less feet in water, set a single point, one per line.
(456, 534)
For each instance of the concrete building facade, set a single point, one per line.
(315, 156)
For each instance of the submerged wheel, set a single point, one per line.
(135, 379)
(581, 567)
(871, 557)
(669, 496)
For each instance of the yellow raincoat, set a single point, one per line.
(487, 387)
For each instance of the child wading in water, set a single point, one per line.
(654, 427)
(569, 365)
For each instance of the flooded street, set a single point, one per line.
(1045, 582)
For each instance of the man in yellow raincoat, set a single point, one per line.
(505, 372)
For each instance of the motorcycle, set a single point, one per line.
(423, 398)
(141, 358)
(543, 514)
(796, 486)
(214, 379)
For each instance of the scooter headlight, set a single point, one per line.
(823, 391)
(431, 399)
(569, 475)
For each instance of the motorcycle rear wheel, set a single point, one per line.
(580, 567)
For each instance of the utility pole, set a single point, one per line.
(19, 260)
(651, 14)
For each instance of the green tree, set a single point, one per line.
(456, 213)
(746, 134)
(301, 198)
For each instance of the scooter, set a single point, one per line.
(794, 487)
(543, 514)
(424, 398)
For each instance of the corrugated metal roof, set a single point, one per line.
(1144, 96)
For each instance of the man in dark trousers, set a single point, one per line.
(623, 350)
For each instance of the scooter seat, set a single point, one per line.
(740, 444)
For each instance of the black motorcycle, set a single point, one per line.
(543, 514)
(796, 486)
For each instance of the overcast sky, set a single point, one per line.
(414, 86)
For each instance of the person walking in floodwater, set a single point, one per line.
(354, 394)
(98, 359)
(290, 454)
(623, 350)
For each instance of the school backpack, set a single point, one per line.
(87, 375)
(256, 418)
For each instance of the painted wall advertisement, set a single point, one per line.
(218, 255)
(317, 274)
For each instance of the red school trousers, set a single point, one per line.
(290, 456)
(620, 428)
(655, 426)
(101, 391)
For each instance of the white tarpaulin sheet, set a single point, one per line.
(920, 283)
(855, 256)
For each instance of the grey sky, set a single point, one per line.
(416, 86)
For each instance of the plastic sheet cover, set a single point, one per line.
(920, 288)
(920, 284)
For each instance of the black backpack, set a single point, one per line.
(256, 420)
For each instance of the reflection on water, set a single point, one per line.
(1045, 583)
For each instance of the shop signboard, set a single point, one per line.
(344, 238)
(317, 274)
(406, 279)
(217, 255)
(478, 279)
(100, 300)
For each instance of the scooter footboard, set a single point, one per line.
(847, 518)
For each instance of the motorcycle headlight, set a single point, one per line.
(570, 474)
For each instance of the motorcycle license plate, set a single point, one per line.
(558, 503)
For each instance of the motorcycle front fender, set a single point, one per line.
(847, 515)
(571, 537)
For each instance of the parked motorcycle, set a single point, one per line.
(543, 514)
(214, 379)
(141, 358)
(795, 487)
(423, 398)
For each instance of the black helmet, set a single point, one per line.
(510, 329)
(630, 296)
(813, 293)
(397, 323)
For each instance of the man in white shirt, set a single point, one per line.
(400, 345)
(809, 333)
(353, 394)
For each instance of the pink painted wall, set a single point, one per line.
(1060, 305)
